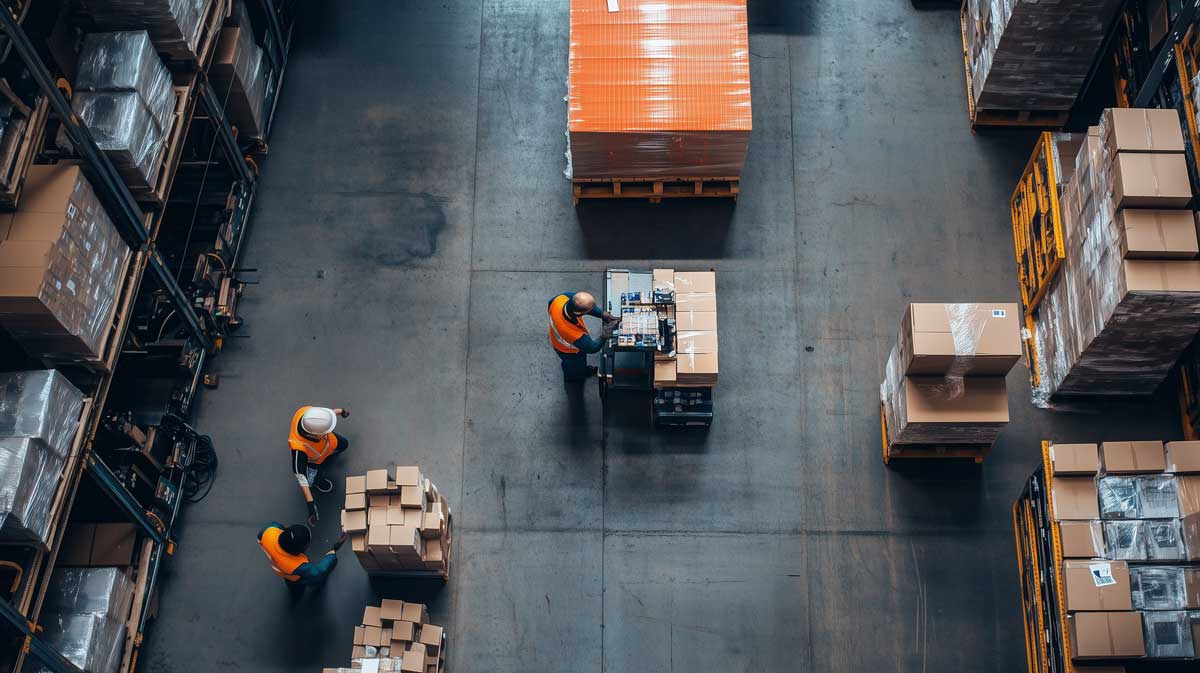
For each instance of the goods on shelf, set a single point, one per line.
(126, 100)
(944, 379)
(694, 361)
(1032, 55)
(239, 76)
(174, 25)
(61, 262)
(1126, 301)
(639, 109)
(39, 416)
(398, 522)
(84, 616)
(396, 637)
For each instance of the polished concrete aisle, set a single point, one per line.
(413, 221)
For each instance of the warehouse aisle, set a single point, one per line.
(414, 220)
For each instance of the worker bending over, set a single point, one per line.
(286, 546)
(312, 441)
(570, 337)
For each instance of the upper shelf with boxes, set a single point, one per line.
(943, 394)
(399, 524)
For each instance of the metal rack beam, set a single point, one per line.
(277, 53)
(216, 114)
(107, 481)
(1165, 59)
(41, 651)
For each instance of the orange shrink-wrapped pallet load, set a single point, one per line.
(658, 88)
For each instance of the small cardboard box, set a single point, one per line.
(356, 484)
(113, 544)
(371, 635)
(664, 372)
(1150, 180)
(412, 496)
(1158, 234)
(371, 616)
(1133, 457)
(1152, 275)
(694, 301)
(1106, 635)
(391, 609)
(405, 541)
(356, 501)
(1142, 130)
(697, 368)
(1183, 457)
(377, 500)
(434, 554)
(1187, 492)
(404, 630)
(377, 516)
(431, 525)
(1082, 539)
(360, 633)
(696, 321)
(413, 662)
(377, 481)
(76, 549)
(431, 637)
(378, 535)
(354, 521)
(1189, 530)
(415, 612)
(664, 280)
(408, 476)
(395, 516)
(1075, 499)
(962, 339)
(1075, 458)
(1099, 586)
(413, 518)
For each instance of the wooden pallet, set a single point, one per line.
(654, 189)
(1046, 119)
(975, 452)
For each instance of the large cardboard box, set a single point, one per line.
(933, 409)
(1183, 457)
(1074, 499)
(1143, 457)
(1082, 539)
(1142, 130)
(1074, 458)
(1104, 635)
(1158, 234)
(696, 368)
(114, 544)
(1097, 585)
(1145, 275)
(960, 339)
(1150, 180)
(696, 321)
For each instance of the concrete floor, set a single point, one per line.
(413, 220)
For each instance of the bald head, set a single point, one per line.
(582, 303)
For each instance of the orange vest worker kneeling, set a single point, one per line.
(569, 336)
(286, 546)
(312, 441)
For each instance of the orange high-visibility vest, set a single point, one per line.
(283, 563)
(317, 450)
(564, 333)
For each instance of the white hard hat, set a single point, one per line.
(318, 421)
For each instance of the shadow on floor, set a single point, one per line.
(673, 229)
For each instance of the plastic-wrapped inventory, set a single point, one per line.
(1168, 635)
(85, 614)
(1033, 54)
(40, 404)
(239, 77)
(1163, 540)
(174, 25)
(1118, 498)
(1157, 588)
(126, 61)
(1126, 540)
(29, 476)
(1156, 497)
(658, 88)
(933, 409)
(91, 642)
(104, 591)
(124, 130)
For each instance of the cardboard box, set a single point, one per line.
(433, 556)
(412, 496)
(391, 609)
(1158, 234)
(703, 302)
(378, 536)
(664, 373)
(408, 476)
(1099, 586)
(695, 342)
(1074, 499)
(1150, 180)
(431, 637)
(1099, 635)
(76, 549)
(413, 662)
(696, 368)
(371, 616)
(1189, 530)
(113, 544)
(696, 281)
(1133, 457)
(664, 280)
(696, 321)
(431, 525)
(960, 339)
(371, 635)
(405, 541)
(360, 633)
(356, 501)
(978, 400)
(1082, 539)
(415, 612)
(359, 651)
(356, 484)
(395, 516)
(377, 500)
(1183, 457)
(354, 521)
(377, 481)
(1187, 493)
(377, 516)
(403, 630)
(1145, 275)
(1142, 130)
(1075, 458)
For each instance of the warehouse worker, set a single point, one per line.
(569, 336)
(286, 546)
(312, 441)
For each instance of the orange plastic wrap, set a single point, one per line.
(659, 88)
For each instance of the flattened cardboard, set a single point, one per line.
(1083, 594)
(970, 339)
(1158, 234)
(1075, 499)
(1082, 539)
(1183, 457)
(1142, 457)
(1075, 458)
(1102, 635)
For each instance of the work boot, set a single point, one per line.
(323, 485)
(591, 371)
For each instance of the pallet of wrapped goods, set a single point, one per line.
(654, 122)
(174, 25)
(61, 265)
(399, 523)
(1026, 60)
(396, 637)
(1125, 303)
(239, 77)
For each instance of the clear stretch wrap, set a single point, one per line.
(126, 61)
(39, 415)
(1118, 498)
(67, 306)
(659, 88)
(1126, 540)
(970, 410)
(125, 131)
(174, 25)
(1164, 541)
(959, 339)
(1168, 635)
(84, 617)
(1157, 588)
(1033, 54)
(1095, 333)
(1157, 497)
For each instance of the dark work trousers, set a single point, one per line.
(574, 366)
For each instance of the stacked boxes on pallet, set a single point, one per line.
(60, 266)
(239, 75)
(125, 98)
(1032, 55)
(396, 637)
(944, 379)
(399, 522)
(658, 88)
(1128, 515)
(1126, 301)
(39, 415)
(174, 25)
(694, 362)
(84, 616)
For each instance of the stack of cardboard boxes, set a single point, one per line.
(1125, 303)
(61, 261)
(239, 75)
(174, 25)
(694, 363)
(396, 637)
(1128, 515)
(944, 379)
(397, 522)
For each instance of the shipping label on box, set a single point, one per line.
(1097, 585)
(960, 339)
